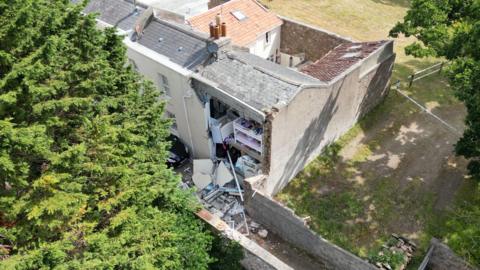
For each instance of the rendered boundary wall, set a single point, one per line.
(256, 257)
(283, 221)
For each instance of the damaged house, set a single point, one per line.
(272, 91)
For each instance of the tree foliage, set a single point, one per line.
(83, 183)
(464, 229)
(451, 29)
(227, 254)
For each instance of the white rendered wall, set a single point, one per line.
(183, 102)
(263, 49)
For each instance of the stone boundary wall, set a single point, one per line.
(297, 37)
(443, 258)
(256, 257)
(283, 221)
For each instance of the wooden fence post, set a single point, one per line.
(412, 77)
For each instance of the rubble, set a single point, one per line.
(262, 233)
(202, 173)
(397, 245)
(217, 191)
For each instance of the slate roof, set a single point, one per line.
(258, 20)
(340, 59)
(275, 69)
(182, 46)
(177, 42)
(118, 13)
(253, 86)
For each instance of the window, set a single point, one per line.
(239, 15)
(163, 82)
(174, 120)
(267, 37)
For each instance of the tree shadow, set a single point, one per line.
(311, 139)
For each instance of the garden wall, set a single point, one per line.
(283, 222)
(297, 37)
(256, 257)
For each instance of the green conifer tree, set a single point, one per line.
(83, 181)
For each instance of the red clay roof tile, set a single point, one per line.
(258, 20)
(340, 59)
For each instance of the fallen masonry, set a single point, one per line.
(224, 211)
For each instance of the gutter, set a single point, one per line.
(189, 95)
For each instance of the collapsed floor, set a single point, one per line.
(228, 206)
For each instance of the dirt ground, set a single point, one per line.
(415, 156)
(420, 147)
(396, 172)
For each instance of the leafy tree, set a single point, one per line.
(464, 229)
(83, 183)
(451, 29)
(227, 254)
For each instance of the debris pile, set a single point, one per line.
(395, 254)
(219, 191)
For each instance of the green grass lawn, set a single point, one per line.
(390, 173)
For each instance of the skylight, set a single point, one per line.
(239, 15)
(350, 55)
(355, 47)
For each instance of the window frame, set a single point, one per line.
(163, 82)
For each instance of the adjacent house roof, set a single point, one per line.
(184, 47)
(180, 44)
(121, 14)
(340, 59)
(246, 20)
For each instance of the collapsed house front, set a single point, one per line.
(275, 94)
